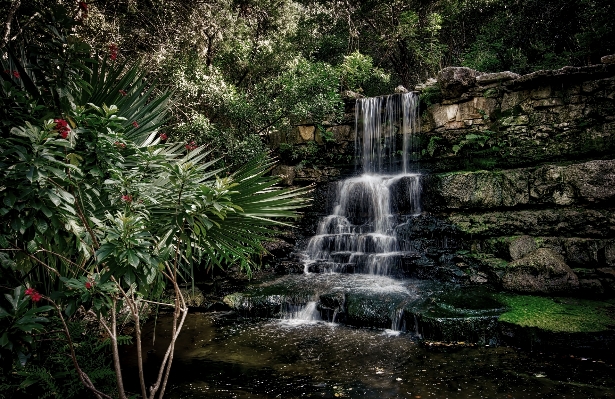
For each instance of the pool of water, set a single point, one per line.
(223, 356)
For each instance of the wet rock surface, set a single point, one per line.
(542, 271)
(440, 311)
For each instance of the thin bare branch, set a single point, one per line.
(83, 377)
(158, 303)
(8, 22)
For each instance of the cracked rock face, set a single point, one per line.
(540, 272)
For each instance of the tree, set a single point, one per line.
(102, 212)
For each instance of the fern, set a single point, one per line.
(41, 377)
(52, 375)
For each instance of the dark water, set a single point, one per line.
(219, 356)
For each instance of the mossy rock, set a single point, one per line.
(193, 297)
(571, 315)
(468, 302)
(267, 300)
(367, 309)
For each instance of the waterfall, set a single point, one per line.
(378, 123)
(359, 236)
(301, 314)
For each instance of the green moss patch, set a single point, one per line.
(558, 315)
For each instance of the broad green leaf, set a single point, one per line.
(9, 199)
(132, 257)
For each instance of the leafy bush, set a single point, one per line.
(358, 74)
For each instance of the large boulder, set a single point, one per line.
(587, 182)
(521, 246)
(454, 81)
(540, 272)
(286, 174)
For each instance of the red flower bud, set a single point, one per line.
(163, 137)
(191, 146)
(88, 285)
(127, 198)
(122, 92)
(135, 124)
(113, 51)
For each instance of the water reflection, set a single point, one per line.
(220, 356)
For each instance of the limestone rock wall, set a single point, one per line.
(523, 168)
(504, 120)
(518, 177)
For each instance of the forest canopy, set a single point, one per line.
(242, 68)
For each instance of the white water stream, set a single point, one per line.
(359, 236)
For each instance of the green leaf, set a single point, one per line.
(133, 259)
(104, 251)
(32, 174)
(9, 199)
(4, 340)
(54, 198)
(74, 159)
(129, 277)
(46, 211)
(41, 226)
(32, 246)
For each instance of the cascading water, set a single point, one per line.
(300, 314)
(360, 234)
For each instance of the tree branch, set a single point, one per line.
(85, 380)
(7, 24)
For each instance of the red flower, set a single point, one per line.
(16, 74)
(83, 6)
(113, 51)
(163, 136)
(135, 124)
(191, 146)
(33, 294)
(62, 127)
(88, 285)
(119, 144)
(127, 198)
(122, 92)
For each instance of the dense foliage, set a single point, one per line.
(102, 212)
(249, 67)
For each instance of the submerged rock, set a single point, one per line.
(542, 271)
